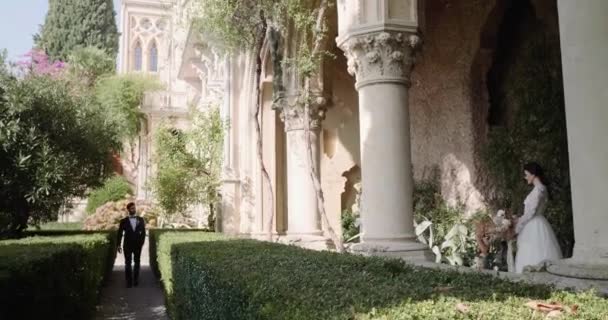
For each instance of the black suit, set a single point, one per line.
(134, 241)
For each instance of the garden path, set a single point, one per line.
(145, 301)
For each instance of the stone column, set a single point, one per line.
(584, 43)
(142, 168)
(303, 221)
(382, 62)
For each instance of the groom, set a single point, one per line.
(134, 228)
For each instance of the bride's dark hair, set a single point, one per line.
(535, 169)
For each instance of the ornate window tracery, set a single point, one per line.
(137, 56)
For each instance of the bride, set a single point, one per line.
(536, 241)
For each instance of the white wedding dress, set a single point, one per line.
(536, 241)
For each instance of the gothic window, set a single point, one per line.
(153, 58)
(137, 56)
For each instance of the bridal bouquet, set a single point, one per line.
(493, 228)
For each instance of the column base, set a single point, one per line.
(408, 250)
(594, 269)
(313, 241)
(263, 236)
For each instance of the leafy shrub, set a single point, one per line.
(55, 276)
(110, 235)
(350, 226)
(54, 146)
(160, 246)
(113, 189)
(442, 227)
(121, 96)
(189, 164)
(108, 215)
(244, 279)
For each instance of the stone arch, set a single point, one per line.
(137, 55)
(153, 56)
(480, 96)
(353, 176)
(516, 36)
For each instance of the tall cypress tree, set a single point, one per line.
(78, 23)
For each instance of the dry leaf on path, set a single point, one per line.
(554, 314)
(552, 309)
(462, 308)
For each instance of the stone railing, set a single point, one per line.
(165, 101)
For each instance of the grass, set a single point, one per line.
(57, 226)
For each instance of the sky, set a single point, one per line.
(20, 20)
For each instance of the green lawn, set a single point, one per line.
(58, 226)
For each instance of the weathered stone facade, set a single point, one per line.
(406, 98)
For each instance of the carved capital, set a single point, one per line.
(293, 113)
(385, 56)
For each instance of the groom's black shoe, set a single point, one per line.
(136, 283)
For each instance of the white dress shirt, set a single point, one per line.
(133, 221)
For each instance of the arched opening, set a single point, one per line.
(153, 58)
(526, 116)
(137, 56)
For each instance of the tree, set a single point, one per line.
(189, 163)
(121, 97)
(78, 23)
(88, 64)
(53, 147)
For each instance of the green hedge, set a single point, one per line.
(244, 279)
(161, 242)
(179, 235)
(110, 235)
(54, 277)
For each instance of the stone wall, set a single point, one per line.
(448, 107)
(340, 158)
(448, 99)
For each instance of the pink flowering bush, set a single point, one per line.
(37, 62)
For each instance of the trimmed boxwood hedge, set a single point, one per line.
(244, 279)
(161, 242)
(110, 235)
(181, 234)
(54, 277)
